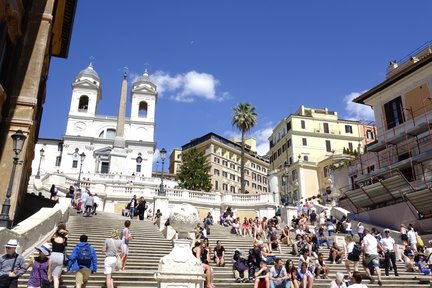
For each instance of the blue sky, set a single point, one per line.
(208, 56)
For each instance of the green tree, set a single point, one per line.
(194, 171)
(244, 118)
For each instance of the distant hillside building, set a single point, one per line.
(304, 147)
(224, 158)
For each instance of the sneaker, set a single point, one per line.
(238, 280)
(379, 283)
(372, 280)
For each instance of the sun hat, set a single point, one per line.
(44, 250)
(386, 230)
(12, 243)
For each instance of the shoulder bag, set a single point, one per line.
(5, 280)
(119, 262)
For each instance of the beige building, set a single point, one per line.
(394, 177)
(175, 161)
(224, 157)
(30, 33)
(304, 147)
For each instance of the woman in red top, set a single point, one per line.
(246, 227)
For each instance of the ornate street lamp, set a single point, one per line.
(18, 144)
(286, 175)
(82, 157)
(162, 189)
(40, 161)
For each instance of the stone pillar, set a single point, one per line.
(274, 186)
(287, 214)
(118, 154)
(180, 268)
(161, 202)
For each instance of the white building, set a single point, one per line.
(112, 144)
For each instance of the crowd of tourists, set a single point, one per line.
(365, 250)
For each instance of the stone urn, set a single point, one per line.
(181, 268)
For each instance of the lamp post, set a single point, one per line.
(82, 157)
(162, 189)
(286, 175)
(18, 144)
(40, 161)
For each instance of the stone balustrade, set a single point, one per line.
(35, 229)
(116, 189)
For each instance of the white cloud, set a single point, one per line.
(156, 156)
(261, 136)
(357, 111)
(188, 87)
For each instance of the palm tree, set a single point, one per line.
(244, 119)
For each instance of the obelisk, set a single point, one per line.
(118, 153)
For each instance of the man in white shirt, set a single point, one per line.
(371, 260)
(412, 239)
(388, 245)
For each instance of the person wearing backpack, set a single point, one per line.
(352, 252)
(83, 261)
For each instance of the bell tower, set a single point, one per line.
(86, 92)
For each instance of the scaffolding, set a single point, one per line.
(395, 168)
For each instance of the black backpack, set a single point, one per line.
(84, 256)
(354, 255)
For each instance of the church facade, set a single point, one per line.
(111, 144)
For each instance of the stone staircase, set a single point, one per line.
(148, 246)
(224, 276)
(145, 250)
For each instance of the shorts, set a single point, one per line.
(371, 261)
(126, 249)
(82, 275)
(110, 264)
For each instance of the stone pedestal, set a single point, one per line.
(161, 203)
(180, 268)
(118, 160)
(287, 214)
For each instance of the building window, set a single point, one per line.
(254, 186)
(253, 164)
(216, 172)
(216, 185)
(350, 146)
(58, 161)
(370, 169)
(348, 129)
(83, 103)
(225, 163)
(294, 175)
(232, 166)
(290, 160)
(232, 189)
(138, 168)
(232, 177)
(225, 174)
(259, 178)
(393, 112)
(246, 171)
(265, 180)
(105, 167)
(264, 170)
(306, 158)
(328, 146)
(369, 134)
(254, 176)
(265, 189)
(142, 109)
(289, 143)
(246, 182)
(288, 126)
(304, 140)
(225, 187)
(216, 160)
(326, 128)
(75, 164)
(60, 147)
(303, 124)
